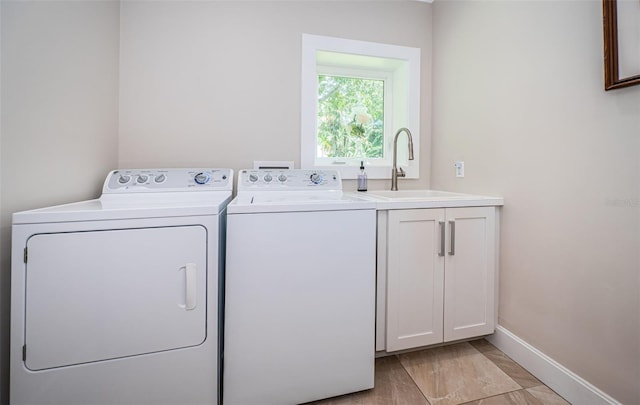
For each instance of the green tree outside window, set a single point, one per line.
(350, 117)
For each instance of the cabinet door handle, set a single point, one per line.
(452, 224)
(441, 252)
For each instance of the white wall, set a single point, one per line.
(518, 95)
(218, 83)
(59, 79)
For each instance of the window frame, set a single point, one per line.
(400, 62)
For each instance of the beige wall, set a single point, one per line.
(518, 95)
(218, 83)
(202, 83)
(4, 272)
(58, 117)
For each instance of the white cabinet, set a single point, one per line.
(436, 276)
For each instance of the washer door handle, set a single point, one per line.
(190, 286)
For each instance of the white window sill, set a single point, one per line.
(373, 172)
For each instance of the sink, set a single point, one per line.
(415, 195)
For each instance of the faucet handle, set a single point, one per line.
(400, 172)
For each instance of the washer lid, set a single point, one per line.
(282, 201)
(284, 190)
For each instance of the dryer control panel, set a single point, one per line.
(289, 180)
(167, 180)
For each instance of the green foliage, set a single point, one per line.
(350, 117)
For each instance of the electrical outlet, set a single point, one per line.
(459, 169)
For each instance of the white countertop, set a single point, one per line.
(410, 199)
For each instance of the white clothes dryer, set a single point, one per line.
(116, 300)
(299, 289)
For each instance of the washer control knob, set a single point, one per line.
(142, 178)
(268, 178)
(124, 179)
(315, 178)
(201, 178)
(282, 178)
(253, 178)
(160, 178)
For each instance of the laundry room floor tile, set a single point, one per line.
(456, 374)
(546, 395)
(521, 397)
(393, 386)
(510, 367)
(473, 373)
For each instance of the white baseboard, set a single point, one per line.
(567, 384)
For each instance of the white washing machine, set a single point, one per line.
(300, 289)
(116, 300)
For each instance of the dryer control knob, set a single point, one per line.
(201, 178)
(268, 178)
(315, 178)
(253, 178)
(142, 178)
(124, 179)
(160, 178)
(282, 178)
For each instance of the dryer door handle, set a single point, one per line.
(190, 286)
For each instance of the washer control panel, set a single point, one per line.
(289, 179)
(167, 180)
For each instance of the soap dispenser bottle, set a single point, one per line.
(362, 178)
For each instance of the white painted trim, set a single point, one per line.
(408, 103)
(566, 383)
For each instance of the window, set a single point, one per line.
(350, 118)
(355, 95)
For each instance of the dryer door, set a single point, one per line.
(100, 295)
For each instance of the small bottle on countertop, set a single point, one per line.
(362, 178)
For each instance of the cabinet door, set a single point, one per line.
(469, 280)
(414, 278)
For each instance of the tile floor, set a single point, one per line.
(471, 373)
